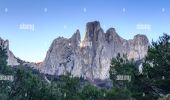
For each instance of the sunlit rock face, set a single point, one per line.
(12, 60)
(91, 57)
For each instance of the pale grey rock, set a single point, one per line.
(63, 56)
(91, 57)
(12, 60)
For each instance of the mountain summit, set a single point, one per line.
(91, 57)
(12, 60)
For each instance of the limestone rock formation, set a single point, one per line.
(91, 57)
(12, 60)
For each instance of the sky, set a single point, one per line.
(32, 25)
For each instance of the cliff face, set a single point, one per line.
(12, 60)
(91, 57)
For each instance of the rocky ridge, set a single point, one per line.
(91, 57)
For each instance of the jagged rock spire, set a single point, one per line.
(12, 60)
(91, 62)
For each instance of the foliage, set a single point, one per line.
(156, 67)
(155, 79)
(29, 84)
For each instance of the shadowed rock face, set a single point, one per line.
(91, 57)
(12, 60)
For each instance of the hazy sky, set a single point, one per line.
(31, 25)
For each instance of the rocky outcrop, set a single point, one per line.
(91, 57)
(12, 60)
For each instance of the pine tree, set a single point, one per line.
(157, 65)
(3, 60)
(4, 71)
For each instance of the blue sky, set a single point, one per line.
(53, 18)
